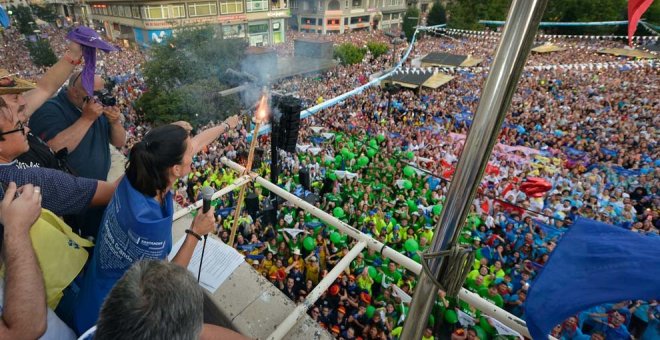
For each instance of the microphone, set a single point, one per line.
(207, 196)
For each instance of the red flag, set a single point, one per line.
(485, 205)
(635, 10)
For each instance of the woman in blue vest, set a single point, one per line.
(137, 223)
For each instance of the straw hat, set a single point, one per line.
(10, 84)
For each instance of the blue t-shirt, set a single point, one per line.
(91, 158)
(62, 193)
(134, 227)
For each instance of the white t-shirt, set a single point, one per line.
(56, 329)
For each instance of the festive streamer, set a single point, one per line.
(491, 35)
(582, 66)
(559, 24)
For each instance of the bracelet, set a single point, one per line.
(227, 129)
(71, 60)
(194, 234)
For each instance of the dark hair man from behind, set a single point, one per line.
(153, 300)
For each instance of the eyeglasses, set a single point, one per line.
(21, 128)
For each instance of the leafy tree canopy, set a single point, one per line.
(377, 48)
(185, 73)
(349, 54)
(410, 20)
(437, 14)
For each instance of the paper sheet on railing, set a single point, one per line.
(464, 319)
(220, 261)
(398, 292)
(501, 328)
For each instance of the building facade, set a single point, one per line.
(339, 16)
(260, 22)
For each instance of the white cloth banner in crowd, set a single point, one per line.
(302, 148)
(464, 319)
(315, 150)
(345, 174)
(291, 231)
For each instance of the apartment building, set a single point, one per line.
(261, 22)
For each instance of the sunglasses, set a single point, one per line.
(21, 127)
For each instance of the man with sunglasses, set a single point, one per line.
(62, 193)
(82, 125)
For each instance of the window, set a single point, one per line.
(233, 31)
(258, 33)
(231, 7)
(357, 3)
(257, 5)
(308, 21)
(359, 20)
(136, 11)
(199, 9)
(259, 28)
(164, 11)
(334, 5)
(155, 12)
(278, 4)
(278, 31)
(177, 11)
(120, 11)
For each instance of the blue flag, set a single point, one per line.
(4, 18)
(594, 263)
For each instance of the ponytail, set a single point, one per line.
(150, 160)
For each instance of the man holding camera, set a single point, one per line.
(83, 125)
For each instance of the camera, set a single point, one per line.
(105, 98)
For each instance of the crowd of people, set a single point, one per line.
(382, 162)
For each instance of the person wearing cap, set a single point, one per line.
(312, 270)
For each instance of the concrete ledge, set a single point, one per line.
(249, 304)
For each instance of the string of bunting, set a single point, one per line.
(583, 66)
(496, 35)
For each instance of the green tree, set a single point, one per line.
(410, 20)
(437, 14)
(465, 14)
(41, 52)
(184, 75)
(652, 15)
(349, 54)
(377, 48)
(24, 20)
(45, 12)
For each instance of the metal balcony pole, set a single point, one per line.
(516, 42)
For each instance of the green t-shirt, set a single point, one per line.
(495, 299)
